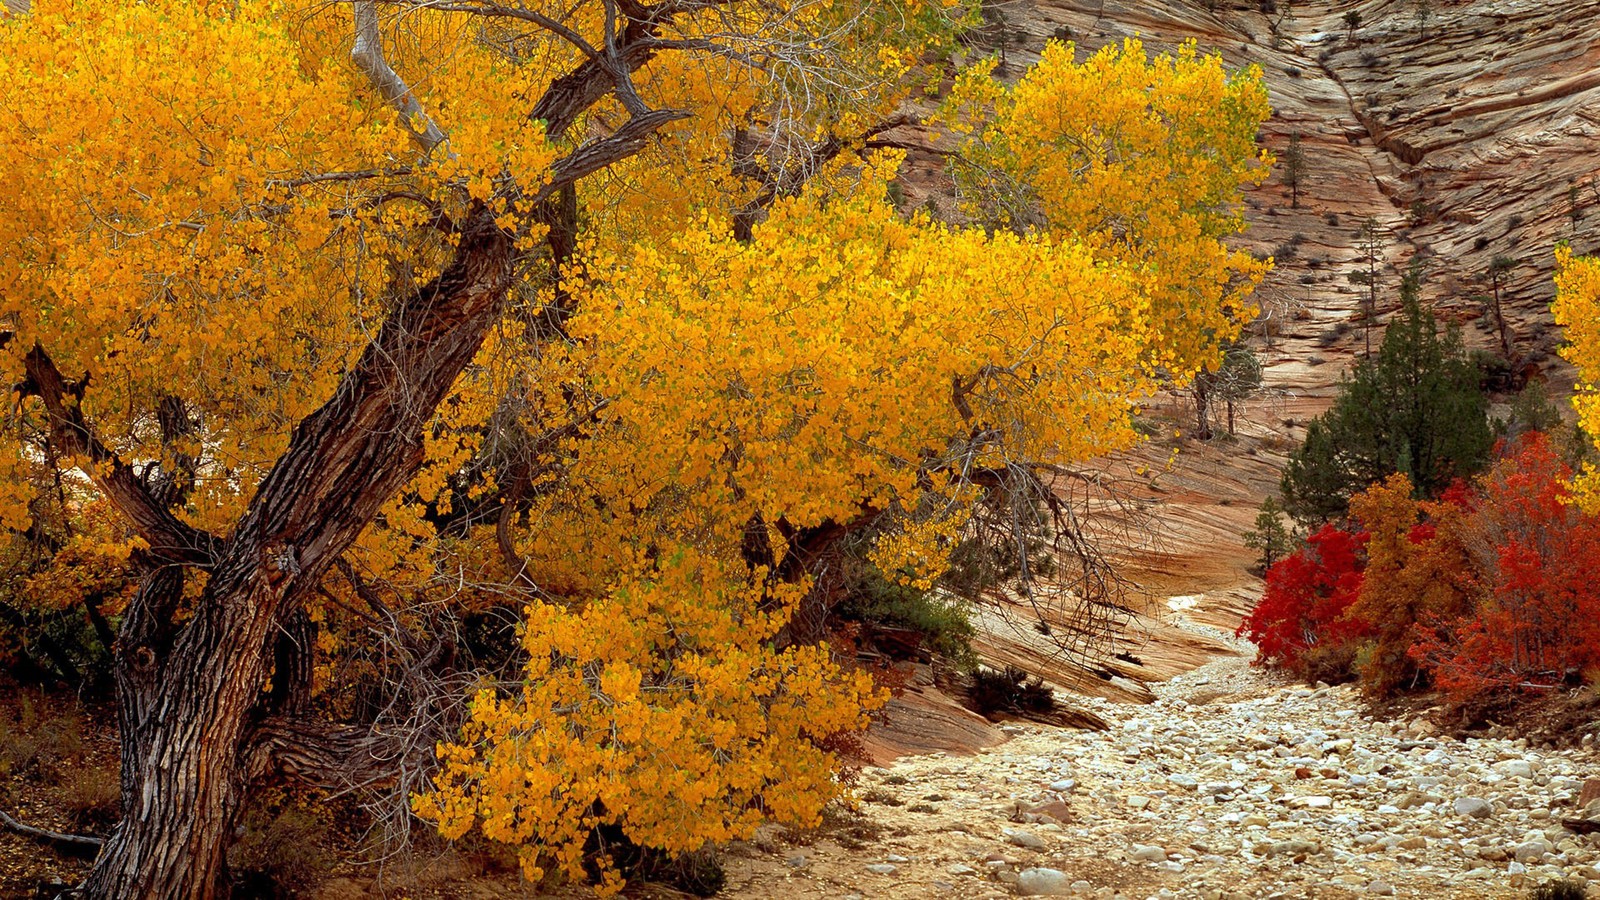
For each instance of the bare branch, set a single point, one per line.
(367, 53)
(593, 156)
(74, 842)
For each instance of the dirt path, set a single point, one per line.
(1235, 783)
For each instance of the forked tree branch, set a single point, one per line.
(169, 538)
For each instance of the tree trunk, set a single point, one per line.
(1202, 405)
(1500, 321)
(183, 783)
(191, 696)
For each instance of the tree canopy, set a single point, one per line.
(362, 319)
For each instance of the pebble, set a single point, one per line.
(882, 869)
(1148, 854)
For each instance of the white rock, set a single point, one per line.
(1026, 839)
(1148, 853)
(1041, 882)
(1530, 851)
(1515, 768)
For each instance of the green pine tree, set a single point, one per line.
(1415, 406)
(1270, 536)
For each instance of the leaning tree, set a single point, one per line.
(365, 319)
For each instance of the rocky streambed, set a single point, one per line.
(1235, 783)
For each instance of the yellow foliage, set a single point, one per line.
(661, 706)
(1577, 310)
(1141, 159)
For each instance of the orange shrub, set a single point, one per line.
(1418, 567)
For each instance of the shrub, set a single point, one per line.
(280, 850)
(1331, 663)
(1009, 690)
(1303, 608)
(91, 797)
(36, 746)
(940, 619)
(1418, 568)
(1539, 623)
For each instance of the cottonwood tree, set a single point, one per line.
(1577, 311)
(364, 316)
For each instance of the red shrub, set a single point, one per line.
(1301, 618)
(1540, 622)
